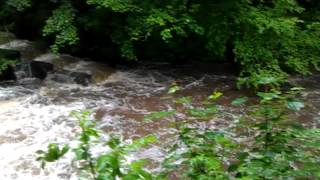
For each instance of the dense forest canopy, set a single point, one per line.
(267, 38)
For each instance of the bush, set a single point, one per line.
(271, 38)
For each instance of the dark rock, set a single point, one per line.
(81, 78)
(8, 74)
(40, 69)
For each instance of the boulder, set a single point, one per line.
(81, 78)
(8, 74)
(40, 69)
(69, 69)
(67, 76)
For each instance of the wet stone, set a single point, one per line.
(81, 78)
(40, 69)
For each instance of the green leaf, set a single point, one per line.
(203, 113)
(174, 89)
(267, 80)
(239, 101)
(268, 96)
(113, 142)
(297, 89)
(142, 142)
(158, 115)
(295, 105)
(215, 95)
(184, 100)
(137, 165)
(80, 153)
(53, 154)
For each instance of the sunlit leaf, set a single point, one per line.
(295, 105)
(215, 95)
(267, 80)
(173, 89)
(268, 96)
(297, 89)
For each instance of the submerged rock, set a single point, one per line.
(81, 78)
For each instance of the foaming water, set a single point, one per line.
(32, 118)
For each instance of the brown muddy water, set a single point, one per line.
(34, 113)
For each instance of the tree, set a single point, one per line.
(269, 39)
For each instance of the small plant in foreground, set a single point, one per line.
(111, 164)
(281, 147)
(272, 145)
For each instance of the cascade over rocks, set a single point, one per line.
(68, 69)
(62, 68)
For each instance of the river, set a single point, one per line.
(34, 113)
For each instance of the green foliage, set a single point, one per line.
(158, 115)
(281, 147)
(199, 154)
(111, 164)
(53, 154)
(203, 155)
(272, 144)
(5, 63)
(268, 39)
(20, 5)
(61, 24)
(275, 146)
(174, 88)
(215, 95)
(117, 6)
(239, 101)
